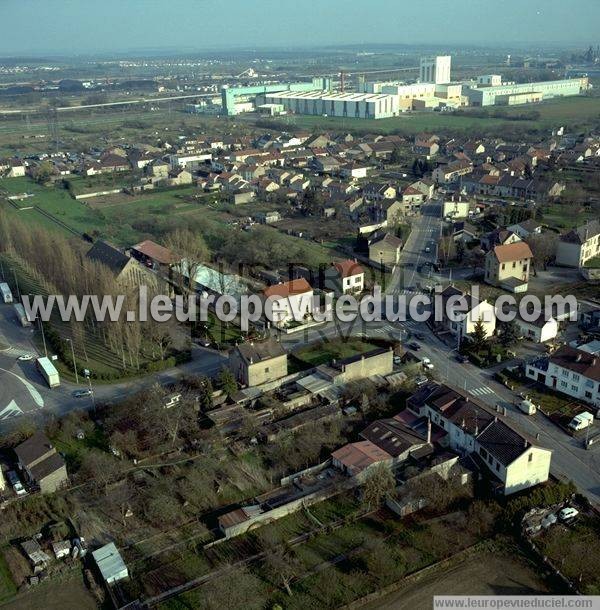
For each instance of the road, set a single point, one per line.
(21, 386)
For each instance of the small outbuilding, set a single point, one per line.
(110, 563)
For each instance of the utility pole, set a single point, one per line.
(74, 365)
(43, 335)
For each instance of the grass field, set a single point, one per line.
(575, 111)
(7, 587)
(325, 352)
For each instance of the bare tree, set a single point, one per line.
(379, 484)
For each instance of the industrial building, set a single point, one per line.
(242, 99)
(325, 103)
(523, 93)
(436, 69)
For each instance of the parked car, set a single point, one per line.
(427, 363)
(420, 336)
(414, 346)
(25, 358)
(82, 393)
(397, 360)
(19, 489)
(568, 513)
(421, 380)
(462, 358)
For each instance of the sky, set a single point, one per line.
(82, 27)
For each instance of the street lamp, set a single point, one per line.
(86, 373)
(74, 365)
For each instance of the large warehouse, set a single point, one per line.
(325, 103)
(508, 94)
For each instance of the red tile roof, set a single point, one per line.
(513, 252)
(358, 456)
(348, 268)
(287, 289)
(156, 252)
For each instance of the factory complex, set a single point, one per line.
(434, 90)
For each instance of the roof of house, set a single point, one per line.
(578, 361)
(513, 252)
(358, 456)
(156, 252)
(46, 467)
(581, 234)
(501, 441)
(287, 289)
(348, 268)
(233, 517)
(33, 448)
(391, 436)
(388, 239)
(255, 351)
(103, 252)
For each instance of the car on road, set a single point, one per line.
(25, 358)
(82, 393)
(567, 514)
(527, 407)
(582, 421)
(414, 346)
(421, 380)
(419, 336)
(427, 363)
(462, 358)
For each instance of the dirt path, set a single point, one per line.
(483, 574)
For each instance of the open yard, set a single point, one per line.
(483, 573)
(326, 351)
(56, 595)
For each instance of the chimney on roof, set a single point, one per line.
(504, 412)
(537, 436)
(578, 358)
(428, 430)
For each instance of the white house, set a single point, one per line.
(579, 245)
(513, 460)
(466, 310)
(289, 301)
(345, 277)
(571, 371)
(526, 228)
(544, 328)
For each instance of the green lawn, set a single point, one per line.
(7, 587)
(325, 352)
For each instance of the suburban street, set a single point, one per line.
(23, 391)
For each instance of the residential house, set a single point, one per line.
(508, 266)
(498, 237)
(526, 228)
(242, 196)
(289, 301)
(255, 363)
(384, 248)
(426, 146)
(425, 186)
(128, 272)
(452, 172)
(413, 197)
(576, 247)
(458, 312)
(154, 256)
(571, 371)
(179, 177)
(12, 168)
(512, 460)
(541, 329)
(345, 277)
(41, 464)
(377, 192)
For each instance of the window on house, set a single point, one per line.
(574, 387)
(530, 458)
(266, 369)
(483, 453)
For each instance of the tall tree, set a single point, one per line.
(379, 484)
(479, 335)
(192, 250)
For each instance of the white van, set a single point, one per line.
(581, 421)
(527, 407)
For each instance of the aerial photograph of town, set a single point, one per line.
(300, 304)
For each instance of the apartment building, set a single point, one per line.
(579, 245)
(508, 266)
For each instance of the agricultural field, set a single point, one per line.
(321, 353)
